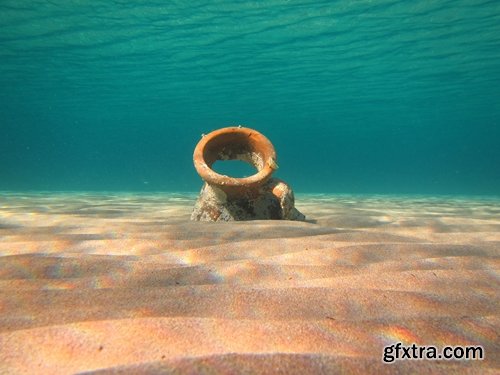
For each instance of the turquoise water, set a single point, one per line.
(357, 96)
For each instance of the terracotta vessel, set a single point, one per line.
(225, 198)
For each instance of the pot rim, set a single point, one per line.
(259, 145)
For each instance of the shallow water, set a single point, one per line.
(358, 97)
(386, 119)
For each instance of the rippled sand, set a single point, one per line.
(126, 283)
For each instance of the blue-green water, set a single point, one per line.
(357, 96)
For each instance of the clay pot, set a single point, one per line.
(235, 143)
(225, 198)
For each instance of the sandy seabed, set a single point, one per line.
(125, 283)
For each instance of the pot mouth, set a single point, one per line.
(235, 143)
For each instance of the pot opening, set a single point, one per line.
(234, 168)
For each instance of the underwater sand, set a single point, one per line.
(125, 283)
